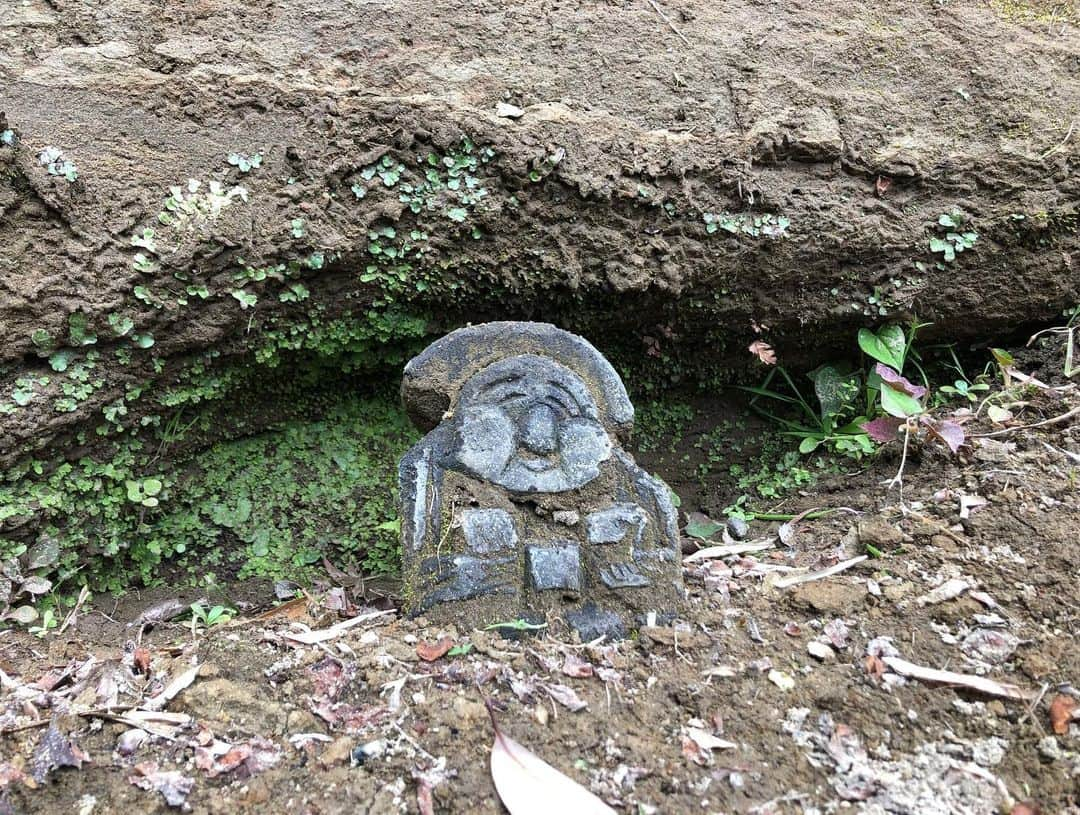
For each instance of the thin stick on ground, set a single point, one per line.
(1063, 142)
(678, 33)
(1064, 417)
(898, 479)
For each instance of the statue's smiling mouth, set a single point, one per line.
(537, 465)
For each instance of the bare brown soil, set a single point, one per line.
(808, 733)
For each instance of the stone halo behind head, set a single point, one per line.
(432, 381)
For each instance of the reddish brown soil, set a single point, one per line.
(860, 738)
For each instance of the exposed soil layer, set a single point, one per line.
(620, 203)
(988, 590)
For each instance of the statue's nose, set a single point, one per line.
(538, 430)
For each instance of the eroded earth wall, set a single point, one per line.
(200, 196)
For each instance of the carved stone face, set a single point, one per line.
(529, 424)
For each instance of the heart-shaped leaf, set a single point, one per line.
(873, 346)
(899, 404)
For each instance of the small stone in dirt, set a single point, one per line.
(336, 752)
(591, 623)
(468, 710)
(879, 533)
(836, 597)
(507, 111)
(365, 752)
(674, 638)
(738, 528)
(1049, 749)
(819, 650)
(990, 645)
(988, 752)
(782, 680)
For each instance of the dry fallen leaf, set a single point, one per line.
(142, 661)
(431, 651)
(1062, 711)
(565, 696)
(763, 351)
(172, 689)
(979, 683)
(528, 785)
(173, 785)
(577, 667)
(875, 667)
(55, 750)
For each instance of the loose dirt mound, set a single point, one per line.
(769, 698)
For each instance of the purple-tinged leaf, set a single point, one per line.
(882, 430)
(899, 383)
(948, 433)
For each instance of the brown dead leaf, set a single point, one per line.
(875, 667)
(763, 351)
(292, 610)
(692, 751)
(565, 696)
(1061, 712)
(53, 751)
(431, 651)
(142, 661)
(1026, 808)
(576, 667)
(173, 785)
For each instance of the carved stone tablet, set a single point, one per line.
(520, 502)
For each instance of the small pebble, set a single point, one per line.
(738, 528)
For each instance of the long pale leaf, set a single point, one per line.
(982, 684)
(528, 785)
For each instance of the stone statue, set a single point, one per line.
(519, 502)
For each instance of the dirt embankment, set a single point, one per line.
(784, 163)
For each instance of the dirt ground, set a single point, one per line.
(764, 697)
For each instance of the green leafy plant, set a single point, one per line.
(48, 622)
(208, 618)
(245, 299)
(245, 163)
(765, 224)
(53, 160)
(964, 389)
(144, 492)
(834, 422)
(956, 239)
